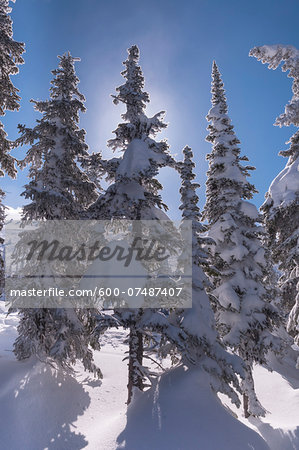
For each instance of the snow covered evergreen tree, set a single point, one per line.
(281, 212)
(11, 52)
(203, 344)
(134, 172)
(244, 314)
(134, 195)
(58, 190)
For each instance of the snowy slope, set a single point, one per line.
(182, 413)
(280, 427)
(42, 409)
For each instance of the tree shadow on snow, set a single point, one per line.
(182, 413)
(39, 407)
(91, 382)
(277, 438)
(286, 368)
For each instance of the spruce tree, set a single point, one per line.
(60, 190)
(203, 345)
(134, 195)
(245, 317)
(10, 58)
(280, 210)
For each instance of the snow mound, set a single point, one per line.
(283, 188)
(46, 409)
(249, 210)
(137, 159)
(182, 413)
(38, 404)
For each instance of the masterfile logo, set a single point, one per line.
(117, 263)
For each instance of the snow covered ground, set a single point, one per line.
(43, 409)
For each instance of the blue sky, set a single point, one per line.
(178, 41)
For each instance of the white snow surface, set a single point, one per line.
(13, 213)
(249, 210)
(137, 158)
(45, 409)
(284, 187)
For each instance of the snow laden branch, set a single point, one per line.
(274, 55)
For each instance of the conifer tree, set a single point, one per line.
(203, 344)
(245, 317)
(58, 189)
(10, 58)
(142, 156)
(134, 195)
(280, 210)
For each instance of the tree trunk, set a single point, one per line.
(245, 405)
(135, 378)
